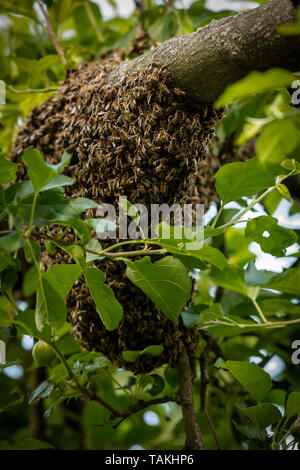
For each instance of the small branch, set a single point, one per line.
(193, 435)
(204, 383)
(52, 34)
(114, 412)
(128, 253)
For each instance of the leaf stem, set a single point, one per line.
(217, 216)
(28, 232)
(260, 312)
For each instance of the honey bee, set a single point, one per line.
(179, 92)
(172, 145)
(151, 119)
(162, 138)
(171, 174)
(157, 110)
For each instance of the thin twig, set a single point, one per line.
(128, 253)
(52, 34)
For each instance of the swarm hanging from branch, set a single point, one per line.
(136, 129)
(142, 139)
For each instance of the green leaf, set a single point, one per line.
(40, 173)
(191, 315)
(284, 192)
(262, 415)
(58, 182)
(30, 281)
(18, 7)
(61, 10)
(62, 277)
(50, 307)
(244, 179)
(210, 255)
(237, 247)
(255, 82)
(165, 282)
(232, 278)
(158, 385)
(96, 246)
(165, 27)
(25, 322)
(291, 165)
(287, 282)
(8, 278)
(7, 170)
(153, 350)
(52, 207)
(277, 141)
(271, 237)
(255, 380)
(293, 404)
(11, 243)
(254, 277)
(109, 309)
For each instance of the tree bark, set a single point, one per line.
(193, 435)
(205, 62)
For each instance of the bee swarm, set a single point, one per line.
(143, 139)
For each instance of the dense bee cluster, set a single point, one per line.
(143, 139)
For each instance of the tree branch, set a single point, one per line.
(205, 62)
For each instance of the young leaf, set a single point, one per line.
(165, 282)
(109, 309)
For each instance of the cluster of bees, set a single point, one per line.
(142, 138)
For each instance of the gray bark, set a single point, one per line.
(205, 62)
